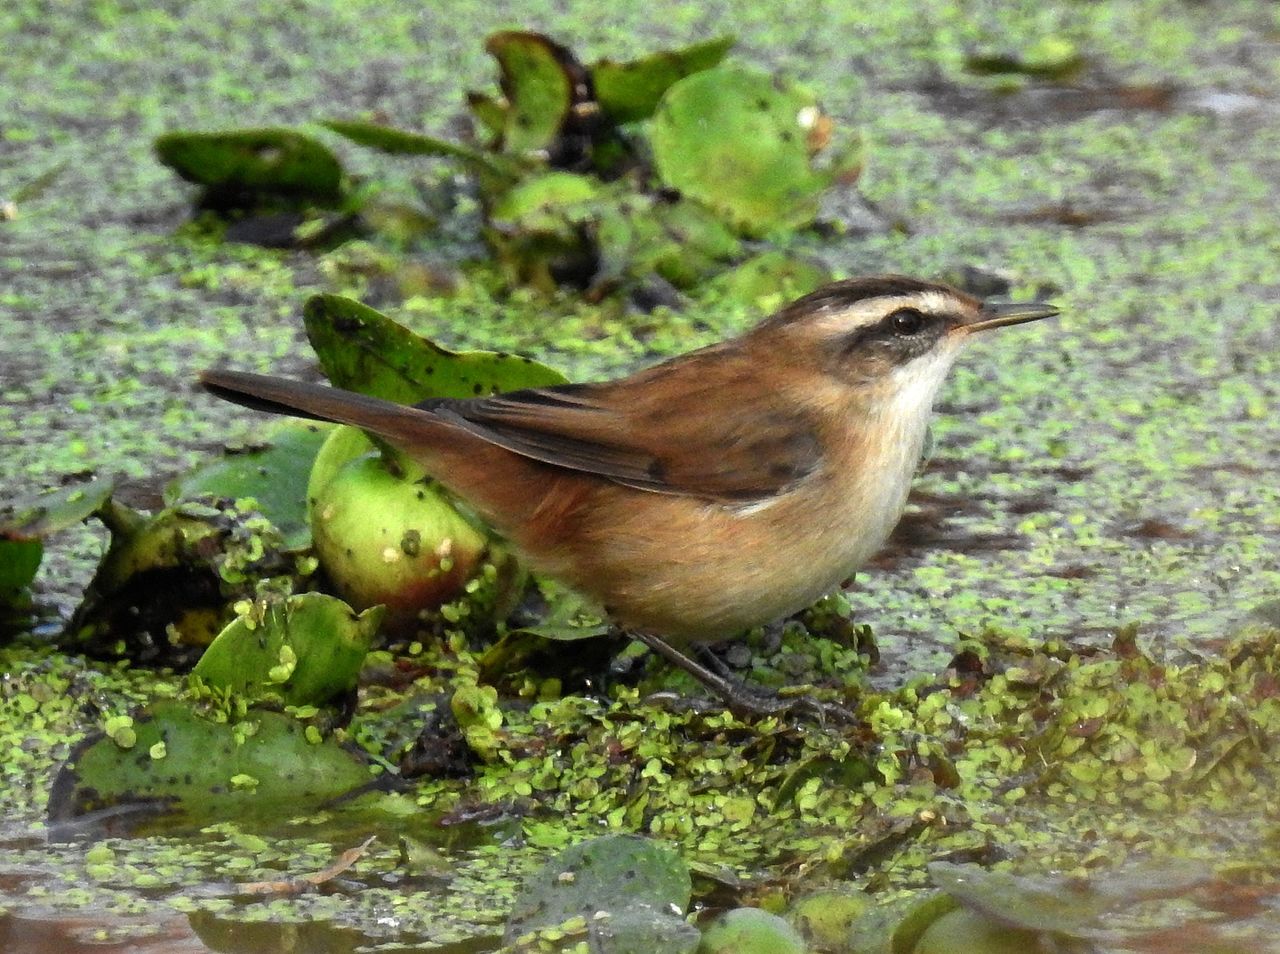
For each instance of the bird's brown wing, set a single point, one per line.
(683, 428)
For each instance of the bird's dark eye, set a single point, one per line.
(906, 321)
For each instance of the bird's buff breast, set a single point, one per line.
(692, 570)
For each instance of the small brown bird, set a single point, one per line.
(716, 491)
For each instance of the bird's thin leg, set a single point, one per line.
(712, 661)
(735, 695)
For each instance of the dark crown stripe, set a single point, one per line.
(849, 291)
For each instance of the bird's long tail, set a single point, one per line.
(396, 422)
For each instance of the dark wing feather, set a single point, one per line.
(654, 431)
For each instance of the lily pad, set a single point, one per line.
(620, 891)
(171, 760)
(630, 91)
(303, 650)
(737, 140)
(275, 162)
(274, 475)
(363, 350)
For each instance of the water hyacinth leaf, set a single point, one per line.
(279, 162)
(751, 931)
(274, 475)
(683, 241)
(303, 650)
(630, 91)
(626, 889)
(389, 536)
(540, 229)
(770, 279)
(400, 142)
(489, 111)
(737, 140)
(19, 561)
(1049, 57)
(361, 349)
(1049, 904)
(167, 583)
(37, 516)
(550, 203)
(974, 933)
(538, 77)
(173, 761)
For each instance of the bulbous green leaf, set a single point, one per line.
(630, 91)
(279, 162)
(751, 931)
(303, 650)
(361, 349)
(274, 475)
(737, 140)
(38, 515)
(538, 78)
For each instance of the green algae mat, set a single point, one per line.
(1065, 664)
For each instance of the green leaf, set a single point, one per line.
(538, 82)
(304, 650)
(279, 162)
(489, 111)
(275, 475)
(569, 616)
(362, 350)
(700, 136)
(167, 584)
(403, 143)
(751, 931)
(628, 92)
(1049, 57)
(618, 890)
(770, 280)
(261, 765)
(19, 561)
(683, 241)
(39, 515)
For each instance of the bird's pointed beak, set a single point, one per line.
(999, 314)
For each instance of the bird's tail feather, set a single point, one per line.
(395, 422)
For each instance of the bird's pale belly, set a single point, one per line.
(727, 568)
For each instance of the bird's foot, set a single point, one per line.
(740, 699)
